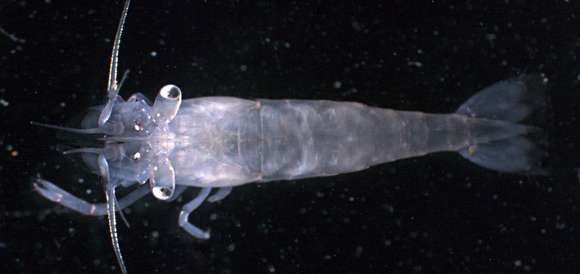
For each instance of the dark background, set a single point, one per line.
(434, 214)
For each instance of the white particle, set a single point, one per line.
(337, 84)
(137, 156)
(155, 234)
(4, 103)
(231, 247)
(153, 54)
(415, 64)
(358, 251)
(243, 67)
(287, 45)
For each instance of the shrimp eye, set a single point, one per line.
(162, 193)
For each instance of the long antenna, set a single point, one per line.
(111, 201)
(112, 83)
(111, 204)
(112, 88)
(112, 91)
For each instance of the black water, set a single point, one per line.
(434, 214)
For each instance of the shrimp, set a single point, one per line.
(223, 142)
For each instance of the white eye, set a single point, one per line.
(170, 92)
(162, 181)
(161, 193)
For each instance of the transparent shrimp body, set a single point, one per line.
(221, 142)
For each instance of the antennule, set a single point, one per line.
(68, 129)
(112, 87)
(83, 150)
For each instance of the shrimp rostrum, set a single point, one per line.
(222, 142)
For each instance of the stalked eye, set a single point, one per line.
(170, 92)
(162, 181)
(166, 104)
(162, 193)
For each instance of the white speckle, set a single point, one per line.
(81, 180)
(358, 251)
(62, 104)
(5, 103)
(231, 247)
(287, 45)
(356, 25)
(154, 234)
(419, 51)
(89, 191)
(337, 84)
(271, 268)
(415, 64)
(518, 263)
(243, 67)
(137, 127)
(267, 40)
(153, 54)
(137, 156)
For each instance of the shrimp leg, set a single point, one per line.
(66, 199)
(222, 193)
(190, 207)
